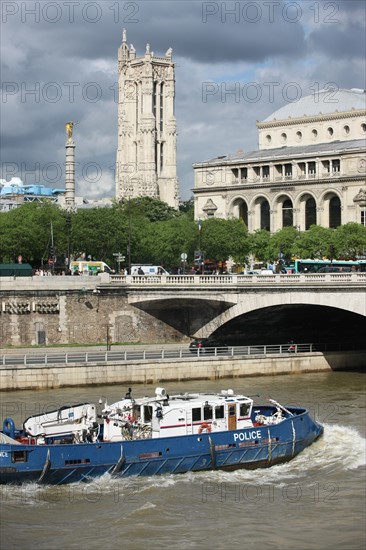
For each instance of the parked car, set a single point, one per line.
(207, 345)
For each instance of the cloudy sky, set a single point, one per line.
(236, 63)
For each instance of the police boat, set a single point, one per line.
(147, 436)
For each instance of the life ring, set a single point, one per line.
(9, 427)
(205, 427)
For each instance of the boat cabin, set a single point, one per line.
(176, 415)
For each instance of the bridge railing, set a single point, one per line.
(87, 283)
(179, 353)
(217, 280)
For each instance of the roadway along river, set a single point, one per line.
(315, 501)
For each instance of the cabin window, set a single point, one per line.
(219, 412)
(19, 456)
(136, 412)
(147, 413)
(196, 415)
(207, 412)
(244, 409)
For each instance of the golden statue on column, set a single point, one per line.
(69, 126)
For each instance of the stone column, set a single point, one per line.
(70, 175)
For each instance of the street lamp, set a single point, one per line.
(199, 255)
(129, 237)
(108, 338)
(199, 233)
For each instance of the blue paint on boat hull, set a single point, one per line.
(252, 448)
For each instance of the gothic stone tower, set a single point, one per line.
(146, 155)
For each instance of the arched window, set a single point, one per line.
(287, 213)
(265, 216)
(243, 213)
(310, 213)
(334, 212)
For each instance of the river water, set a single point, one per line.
(316, 501)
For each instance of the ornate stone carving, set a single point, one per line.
(210, 207)
(360, 198)
(47, 307)
(17, 308)
(140, 116)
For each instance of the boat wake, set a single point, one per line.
(339, 449)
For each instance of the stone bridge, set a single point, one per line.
(212, 302)
(240, 308)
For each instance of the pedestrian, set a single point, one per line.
(291, 348)
(140, 271)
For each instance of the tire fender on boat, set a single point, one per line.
(9, 427)
(205, 426)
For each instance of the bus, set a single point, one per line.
(324, 266)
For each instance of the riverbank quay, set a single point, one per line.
(99, 373)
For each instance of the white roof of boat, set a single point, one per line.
(195, 397)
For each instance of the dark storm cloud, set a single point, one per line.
(205, 31)
(61, 64)
(339, 42)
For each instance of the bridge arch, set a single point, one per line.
(329, 304)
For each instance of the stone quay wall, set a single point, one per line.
(142, 372)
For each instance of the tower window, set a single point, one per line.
(161, 106)
(161, 156)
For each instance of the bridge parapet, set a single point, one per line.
(86, 283)
(245, 280)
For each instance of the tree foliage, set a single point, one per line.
(158, 234)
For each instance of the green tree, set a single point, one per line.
(26, 230)
(350, 241)
(222, 239)
(260, 245)
(314, 243)
(283, 241)
(166, 241)
(150, 208)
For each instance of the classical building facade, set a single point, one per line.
(310, 168)
(146, 154)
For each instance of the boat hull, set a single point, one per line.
(257, 447)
